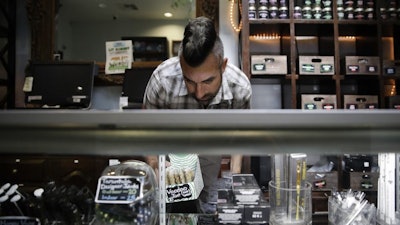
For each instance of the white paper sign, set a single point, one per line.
(118, 56)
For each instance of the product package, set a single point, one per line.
(184, 180)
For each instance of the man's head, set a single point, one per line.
(202, 59)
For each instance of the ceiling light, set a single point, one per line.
(168, 14)
(102, 5)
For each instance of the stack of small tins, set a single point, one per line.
(390, 11)
(360, 9)
(316, 9)
(268, 9)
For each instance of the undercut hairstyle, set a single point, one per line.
(200, 39)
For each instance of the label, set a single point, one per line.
(118, 189)
(28, 84)
(19, 220)
(179, 192)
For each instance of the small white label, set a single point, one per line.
(28, 84)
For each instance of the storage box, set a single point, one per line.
(391, 67)
(323, 181)
(316, 65)
(245, 189)
(318, 101)
(268, 64)
(186, 191)
(257, 214)
(360, 102)
(362, 65)
(361, 181)
(228, 211)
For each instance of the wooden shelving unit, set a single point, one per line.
(372, 37)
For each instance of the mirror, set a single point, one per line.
(83, 27)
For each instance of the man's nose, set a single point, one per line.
(199, 91)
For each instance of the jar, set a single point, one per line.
(360, 4)
(283, 3)
(369, 13)
(283, 12)
(317, 12)
(349, 3)
(307, 14)
(263, 12)
(327, 13)
(359, 13)
(392, 13)
(349, 13)
(297, 12)
(340, 13)
(326, 3)
(252, 12)
(384, 15)
(273, 12)
(273, 3)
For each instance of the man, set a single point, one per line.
(200, 77)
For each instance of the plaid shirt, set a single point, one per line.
(167, 89)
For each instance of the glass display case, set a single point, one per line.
(129, 133)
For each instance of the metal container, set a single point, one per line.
(316, 65)
(365, 65)
(268, 64)
(360, 101)
(326, 102)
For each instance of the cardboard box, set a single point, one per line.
(318, 101)
(360, 102)
(269, 64)
(362, 65)
(228, 211)
(186, 191)
(323, 181)
(246, 189)
(316, 65)
(256, 214)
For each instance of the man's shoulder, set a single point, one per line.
(235, 75)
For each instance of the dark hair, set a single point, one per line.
(200, 39)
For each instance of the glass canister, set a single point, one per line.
(290, 205)
(127, 194)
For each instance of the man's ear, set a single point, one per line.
(224, 63)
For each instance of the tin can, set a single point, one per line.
(297, 12)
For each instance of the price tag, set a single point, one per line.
(118, 189)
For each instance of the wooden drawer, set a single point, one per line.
(323, 181)
(364, 181)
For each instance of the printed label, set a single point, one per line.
(118, 189)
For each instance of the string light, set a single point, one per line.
(265, 36)
(239, 27)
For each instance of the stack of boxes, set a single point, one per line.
(244, 203)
